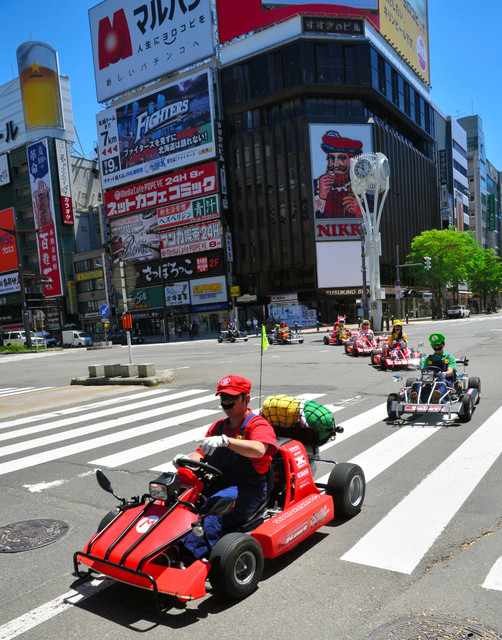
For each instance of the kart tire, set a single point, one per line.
(347, 486)
(410, 381)
(383, 366)
(373, 361)
(106, 520)
(232, 339)
(346, 350)
(467, 409)
(236, 565)
(338, 341)
(220, 339)
(325, 340)
(390, 399)
(300, 340)
(475, 383)
(354, 353)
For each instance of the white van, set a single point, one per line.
(76, 338)
(19, 337)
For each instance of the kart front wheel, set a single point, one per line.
(220, 339)
(466, 410)
(236, 565)
(475, 383)
(347, 486)
(111, 515)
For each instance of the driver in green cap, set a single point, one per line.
(442, 360)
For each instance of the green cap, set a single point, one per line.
(436, 338)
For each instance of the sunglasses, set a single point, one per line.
(438, 346)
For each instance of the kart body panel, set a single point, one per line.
(406, 358)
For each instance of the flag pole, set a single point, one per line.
(263, 347)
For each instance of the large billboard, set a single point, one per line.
(42, 199)
(405, 25)
(168, 128)
(178, 268)
(135, 238)
(168, 189)
(337, 215)
(191, 239)
(135, 42)
(256, 14)
(8, 249)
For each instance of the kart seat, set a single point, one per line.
(250, 519)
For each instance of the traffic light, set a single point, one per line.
(426, 261)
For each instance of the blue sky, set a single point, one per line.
(464, 57)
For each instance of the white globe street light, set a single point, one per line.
(369, 176)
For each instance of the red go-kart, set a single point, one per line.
(138, 542)
(363, 346)
(400, 357)
(338, 337)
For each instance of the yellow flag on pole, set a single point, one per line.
(264, 339)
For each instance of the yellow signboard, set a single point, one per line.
(235, 292)
(90, 275)
(404, 24)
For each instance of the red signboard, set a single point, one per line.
(8, 250)
(172, 187)
(252, 15)
(191, 239)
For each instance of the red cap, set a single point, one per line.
(332, 142)
(233, 385)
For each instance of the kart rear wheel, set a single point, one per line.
(475, 383)
(354, 352)
(220, 339)
(383, 366)
(390, 399)
(347, 486)
(236, 565)
(232, 339)
(325, 340)
(467, 409)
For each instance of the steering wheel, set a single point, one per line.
(197, 464)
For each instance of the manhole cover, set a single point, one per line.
(433, 628)
(30, 534)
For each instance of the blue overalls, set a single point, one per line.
(241, 481)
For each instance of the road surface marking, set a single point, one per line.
(494, 578)
(400, 540)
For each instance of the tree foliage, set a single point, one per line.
(456, 257)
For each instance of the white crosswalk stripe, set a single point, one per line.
(16, 391)
(120, 433)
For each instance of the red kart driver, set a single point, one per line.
(366, 335)
(283, 330)
(241, 446)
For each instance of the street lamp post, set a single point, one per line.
(369, 176)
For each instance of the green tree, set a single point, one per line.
(449, 250)
(484, 273)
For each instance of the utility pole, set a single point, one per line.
(363, 270)
(126, 310)
(398, 286)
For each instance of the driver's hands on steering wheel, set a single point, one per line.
(178, 457)
(210, 444)
(442, 375)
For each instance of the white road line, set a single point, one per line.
(23, 390)
(400, 540)
(50, 609)
(87, 417)
(385, 453)
(357, 424)
(86, 407)
(26, 356)
(151, 448)
(90, 429)
(494, 578)
(95, 443)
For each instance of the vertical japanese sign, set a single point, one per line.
(4, 169)
(43, 211)
(64, 181)
(8, 249)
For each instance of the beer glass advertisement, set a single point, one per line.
(337, 215)
(191, 239)
(163, 130)
(135, 238)
(43, 209)
(180, 185)
(8, 250)
(136, 41)
(39, 79)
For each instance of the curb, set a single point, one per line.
(161, 378)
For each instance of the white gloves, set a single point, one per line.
(209, 445)
(177, 457)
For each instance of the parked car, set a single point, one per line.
(50, 340)
(458, 311)
(19, 337)
(76, 338)
(120, 337)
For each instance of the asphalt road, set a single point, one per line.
(427, 541)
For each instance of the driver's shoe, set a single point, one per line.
(414, 397)
(436, 397)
